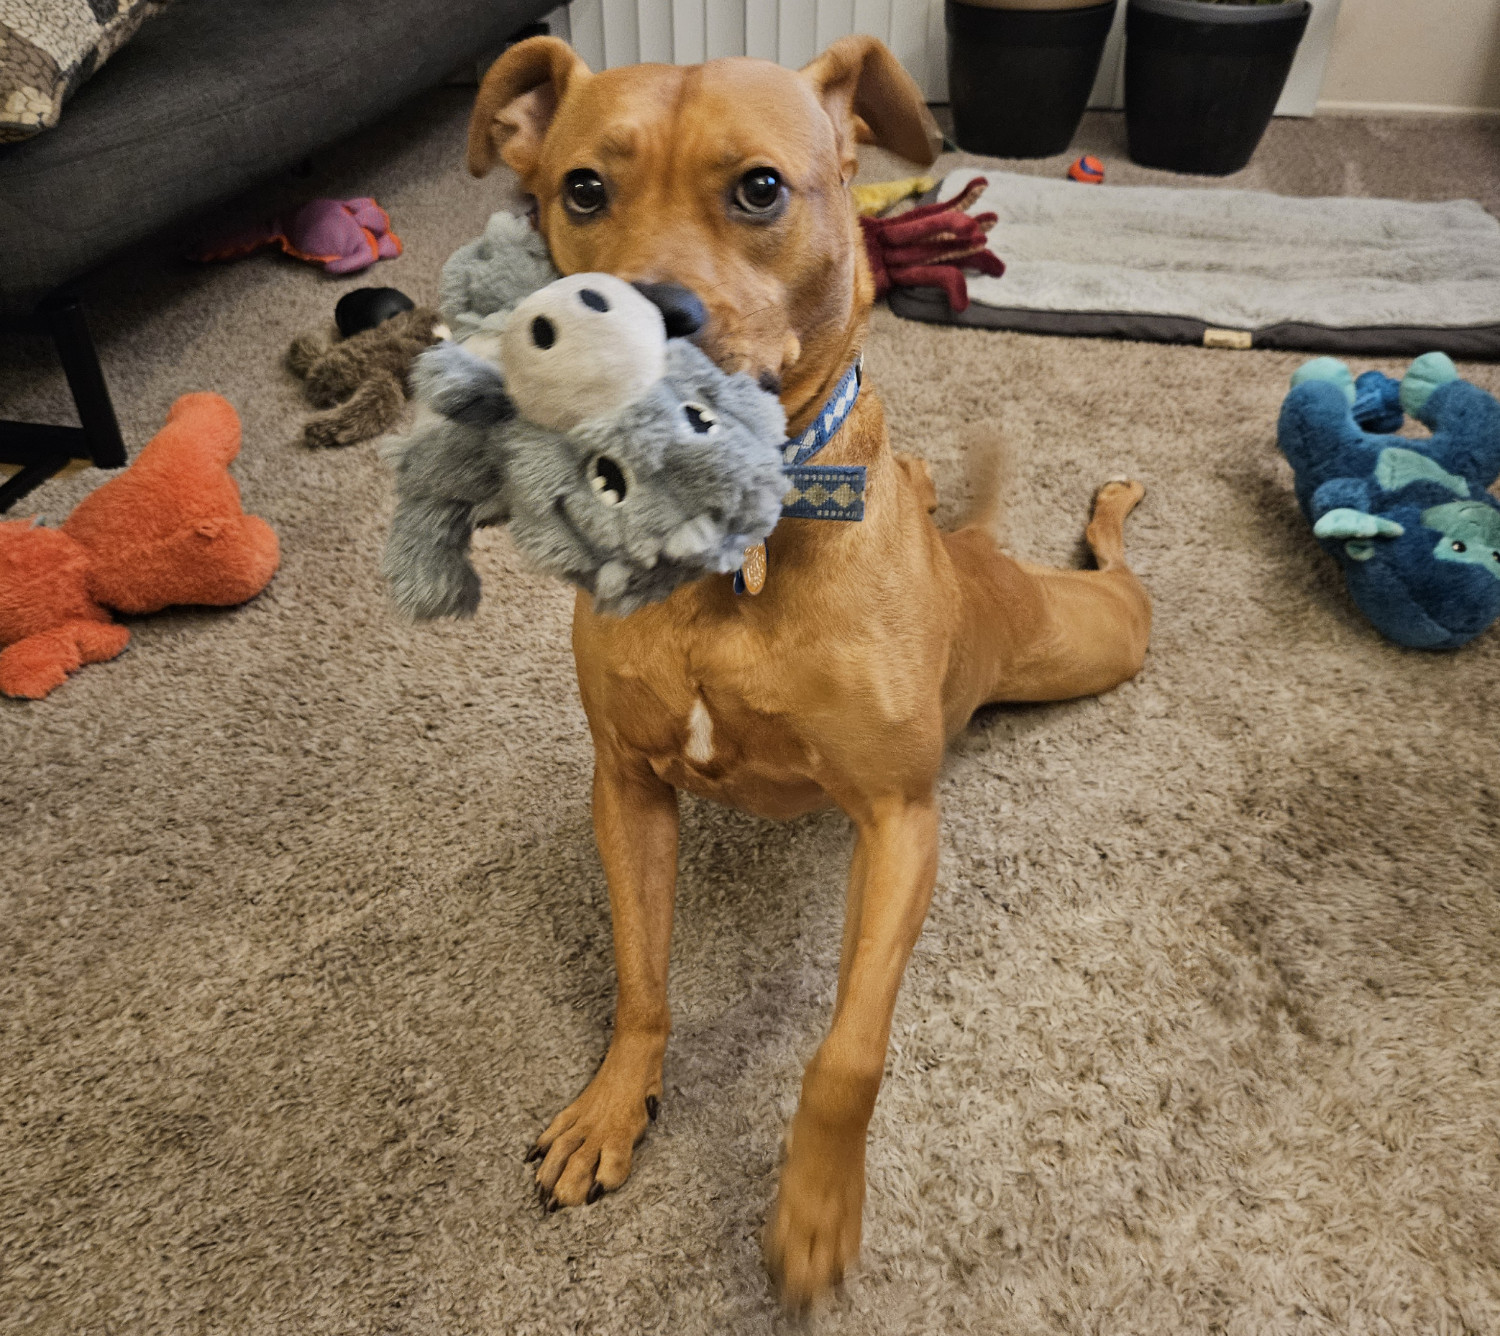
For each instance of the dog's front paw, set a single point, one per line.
(814, 1230)
(587, 1149)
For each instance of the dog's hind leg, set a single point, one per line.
(1036, 633)
(1106, 532)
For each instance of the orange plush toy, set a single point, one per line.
(169, 530)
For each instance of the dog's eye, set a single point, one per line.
(701, 419)
(760, 191)
(583, 193)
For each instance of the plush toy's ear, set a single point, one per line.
(871, 99)
(517, 100)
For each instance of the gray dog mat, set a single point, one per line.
(1236, 268)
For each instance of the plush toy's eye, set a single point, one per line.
(543, 332)
(1459, 547)
(760, 192)
(583, 193)
(595, 301)
(701, 419)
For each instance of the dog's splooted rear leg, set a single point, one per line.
(1106, 532)
(1037, 633)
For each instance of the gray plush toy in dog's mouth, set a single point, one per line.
(625, 462)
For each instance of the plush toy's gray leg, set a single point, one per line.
(449, 474)
(427, 558)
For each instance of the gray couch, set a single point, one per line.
(209, 98)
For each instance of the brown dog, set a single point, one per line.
(873, 642)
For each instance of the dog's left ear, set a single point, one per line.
(871, 99)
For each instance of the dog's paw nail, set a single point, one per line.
(595, 1193)
(534, 1154)
(653, 1107)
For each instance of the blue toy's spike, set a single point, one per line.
(1326, 368)
(1422, 377)
(1377, 403)
(1344, 523)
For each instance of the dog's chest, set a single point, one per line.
(714, 718)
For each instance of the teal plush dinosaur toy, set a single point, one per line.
(1409, 519)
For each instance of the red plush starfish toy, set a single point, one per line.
(931, 246)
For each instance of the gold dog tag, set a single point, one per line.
(753, 569)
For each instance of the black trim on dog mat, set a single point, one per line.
(1467, 342)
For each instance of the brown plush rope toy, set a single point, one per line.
(361, 381)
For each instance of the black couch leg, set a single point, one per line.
(41, 449)
(80, 363)
(26, 480)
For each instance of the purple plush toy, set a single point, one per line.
(344, 236)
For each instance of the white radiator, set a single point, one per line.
(792, 32)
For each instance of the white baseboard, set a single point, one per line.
(1326, 108)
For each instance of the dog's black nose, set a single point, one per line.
(680, 308)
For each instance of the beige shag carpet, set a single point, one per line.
(303, 937)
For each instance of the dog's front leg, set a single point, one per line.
(586, 1151)
(814, 1229)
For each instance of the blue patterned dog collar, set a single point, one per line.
(818, 491)
(825, 491)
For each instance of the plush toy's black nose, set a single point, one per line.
(680, 308)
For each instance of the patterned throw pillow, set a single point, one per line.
(49, 47)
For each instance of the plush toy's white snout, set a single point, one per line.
(582, 347)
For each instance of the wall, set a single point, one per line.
(1414, 55)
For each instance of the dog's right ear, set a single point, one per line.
(517, 100)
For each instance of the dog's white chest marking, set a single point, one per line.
(700, 738)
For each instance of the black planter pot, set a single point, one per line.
(1201, 80)
(1019, 79)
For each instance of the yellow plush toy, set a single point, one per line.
(878, 196)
